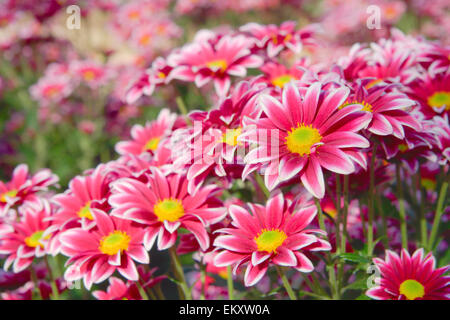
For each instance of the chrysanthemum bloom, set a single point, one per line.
(164, 205)
(114, 244)
(305, 132)
(203, 62)
(118, 290)
(157, 75)
(410, 278)
(90, 73)
(278, 38)
(270, 235)
(76, 204)
(278, 75)
(389, 110)
(26, 239)
(212, 147)
(148, 138)
(24, 187)
(50, 90)
(440, 127)
(432, 91)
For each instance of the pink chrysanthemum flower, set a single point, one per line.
(432, 91)
(278, 75)
(24, 187)
(278, 38)
(90, 73)
(389, 110)
(163, 204)
(270, 235)
(212, 146)
(305, 132)
(410, 278)
(76, 204)
(157, 75)
(203, 62)
(50, 90)
(95, 254)
(26, 239)
(148, 138)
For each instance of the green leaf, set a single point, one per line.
(354, 257)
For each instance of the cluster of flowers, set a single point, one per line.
(302, 138)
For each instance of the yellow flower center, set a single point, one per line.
(366, 106)
(270, 240)
(85, 212)
(145, 40)
(161, 75)
(169, 210)
(428, 184)
(114, 242)
(9, 194)
(412, 289)
(89, 75)
(220, 64)
(152, 144)
(34, 240)
(300, 140)
(231, 135)
(282, 80)
(51, 91)
(440, 99)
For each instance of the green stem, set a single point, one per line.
(55, 293)
(371, 201)
(203, 281)
(262, 185)
(179, 273)
(438, 215)
(159, 292)
(142, 291)
(286, 284)
(35, 283)
(423, 221)
(230, 284)
(330, 263)
(401, 207)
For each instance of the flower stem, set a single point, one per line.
(55, 293)
(35, 283)
(401, 207)
(371, 201)
(142, 291)
(230, 284)
(262, 185)
(286, 284)
(438, 215)
(179, 273)
(330, 264)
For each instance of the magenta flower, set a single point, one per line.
(432, 91)
(163, 204)
(24, 187)
(389, 109)
(95, 254)
(148, 138)
(270, 235)
(410, 278)
(76, 204)
(27, 239)
(275, 38)
(203, 62)
(305, 132)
